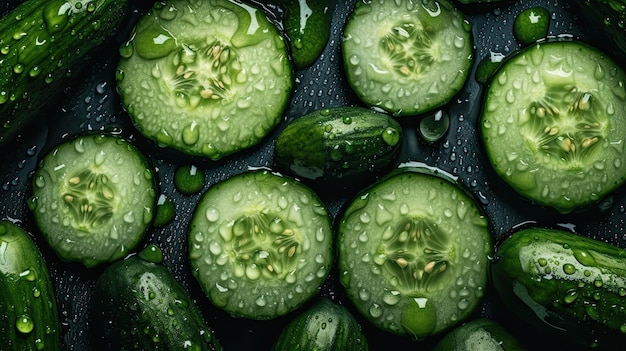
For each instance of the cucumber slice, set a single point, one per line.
(414, 252)
(260, 244)
(407, 57)
(554, 124)
(208, 78)
(93, 198)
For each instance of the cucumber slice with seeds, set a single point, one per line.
(93, 198)
(407, 57)
(208, 78)
(554, 124)
(260, 244)
(413, 252)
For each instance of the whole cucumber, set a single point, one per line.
(29, 319)
(139, 305)
(564, 283)
(338, 144)
(42, 43)
(324, 326)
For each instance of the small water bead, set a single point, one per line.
(375, 310)
(18, 68)
(24, 324)
(570, 296)
(392, 297)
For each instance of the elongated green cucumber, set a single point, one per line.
(139, 305)
(565, 283)
(42, 43)
(29, 319)
(324, 326)
(339, 144)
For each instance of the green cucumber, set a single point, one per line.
(324, 326)
(139, 305)
(608, 15)
(554, 122)
(261, 244)
(414, 252)
(93, 198)
(479, 334)
(564, 283)
(339, 144)
(307, 25)
(29, 319)
(531, 25)
(42, 43)
(407, 57)
(208, 78)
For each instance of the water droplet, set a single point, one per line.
(24, 324)
(375, 310)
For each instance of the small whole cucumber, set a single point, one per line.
(479, 334)
(338, 144)
(139, 305)
(29, 319)
(565, 283)
(324, 326)
(43, 43)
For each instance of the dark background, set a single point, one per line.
(90, 102)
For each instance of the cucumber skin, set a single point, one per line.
(607, 15)
(18, 254)
(525, 286)
(63, 54)
(460, 338)
(125, 317)
(314, 146)
(307, 41)
(324, 326)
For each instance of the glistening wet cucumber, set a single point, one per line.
(29, 318)
(323, 326)
(207, 78)
(414, 252)
(42, 44)
(260, 244)
(479, 334)
(554, 124)
(407, 57)
(139, 305)
(563, 283)
(339, 145)
(93, 198)
(307, 26)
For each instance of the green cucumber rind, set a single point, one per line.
(323, 326)
(338, 144)
(259, 276)
(531, 160)
(27, 290)
(139, 304)
(479, 334)
(307, 26)
(407, 57)
(210, 88)
(51, 54)
(371, 290)
(529, 274)
(114, 219)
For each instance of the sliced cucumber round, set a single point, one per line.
(208, 78)
(554, 124)
(93, 198)
(407, 57)
(261, 244)
(414, 252)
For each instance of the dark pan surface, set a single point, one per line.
(90, 103)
